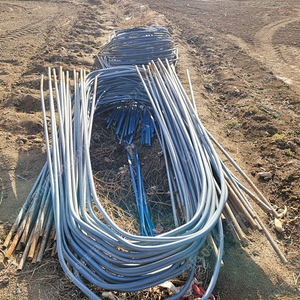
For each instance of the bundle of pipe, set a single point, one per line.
(117, 260)
(162, 83)
(99, 251)
(138, 46)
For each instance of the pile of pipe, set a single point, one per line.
(99, 252)
(138, 46)
(63, 210)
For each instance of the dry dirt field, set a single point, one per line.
(244, 59)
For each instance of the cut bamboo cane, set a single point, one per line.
(214, 246)
(236, 225)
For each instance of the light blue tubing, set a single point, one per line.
(99, 251)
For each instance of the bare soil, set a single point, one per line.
(243, 57)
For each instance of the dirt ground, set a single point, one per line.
(244, 60)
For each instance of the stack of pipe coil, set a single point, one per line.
(64, 207)
(138, 46)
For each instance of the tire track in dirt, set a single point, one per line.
(9, 8)
(26, 29)
(283, 66)
(8, 17)
(282, 60)
(31, 28)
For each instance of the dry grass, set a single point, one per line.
(114, 185)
